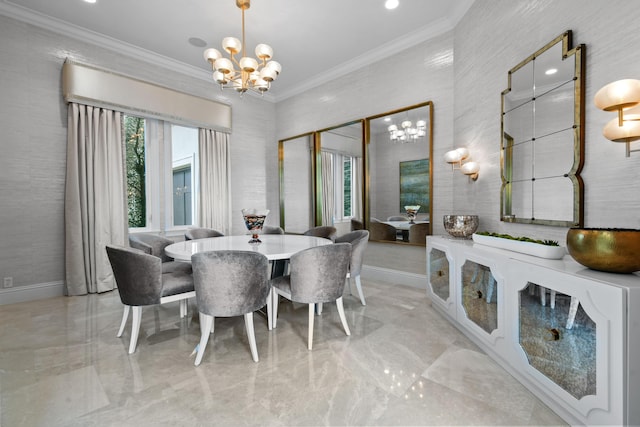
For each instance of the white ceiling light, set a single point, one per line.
(391, 4)
(250, 74)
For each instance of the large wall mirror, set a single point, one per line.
(543, 137)
(297, 193)
(399, 166)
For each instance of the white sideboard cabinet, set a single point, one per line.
(571, 335)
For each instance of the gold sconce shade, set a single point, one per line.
(471, 169)
(619, 96)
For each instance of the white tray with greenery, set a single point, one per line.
(539, 248)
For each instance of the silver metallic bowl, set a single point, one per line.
(460, 225)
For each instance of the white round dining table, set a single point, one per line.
(273, 246)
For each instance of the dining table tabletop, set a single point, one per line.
(273, 246)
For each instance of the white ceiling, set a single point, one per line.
(314, 40)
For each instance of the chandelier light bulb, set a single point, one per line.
(212, 55)
(406, 124)
(421, 124)
(219, 77)
(224, 65)
(232, 45)
(264, 52)
(267, 74)
(248, 64)
(274, 65)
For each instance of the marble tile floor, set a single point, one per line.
(404, 364)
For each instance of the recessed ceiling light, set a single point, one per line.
(90, 1)
(551, 71)
(391, 4)
(387, 119)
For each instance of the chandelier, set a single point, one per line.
(407, 133)
(246, 73)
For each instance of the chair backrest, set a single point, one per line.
(201, 233)
(397, 218)
(138, 275)
(356, 224)
(382, 231)
(358, 240)
(151, 244)
(418, 233)
(270, 229)
(317, 274)
(230, 283)
(324, 231)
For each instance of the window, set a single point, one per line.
(161, 160)
(343, 186)
(346, 186)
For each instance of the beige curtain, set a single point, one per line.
(95, 197)
(328, 196)
(214, 208)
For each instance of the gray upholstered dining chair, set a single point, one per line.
(324, 231)
(418, 233)
(271, 229)
(201, 233)
(382, 231)
(356, 224)
(317, 276)
(228, 284)
(154, 244)
(141, 282)
(359, 240)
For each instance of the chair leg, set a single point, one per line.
(248, 324)
(343, 319)
(359, 288)
(311, 316)
(135, 328)
(206, 326)
(125, 316)
(348, 283)
(274, 308)
(183, 308)
(270, 310)
(319, 308)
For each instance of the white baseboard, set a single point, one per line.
(394, 276)
(31, 292)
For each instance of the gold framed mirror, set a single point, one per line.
(542, 131)
(399, 174)
(296, 164)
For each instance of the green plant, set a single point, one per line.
(520, 239)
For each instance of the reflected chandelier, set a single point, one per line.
(408, 133)
(250, 74)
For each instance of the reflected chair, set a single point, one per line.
(317, 276)
(397, 218)
(356, 224)
(359, 240)
(201, 233)
(324, 231)
(228, 284)
(271, 229)
(382, 231)
(418, 233)
(154, 244)
(141, 282)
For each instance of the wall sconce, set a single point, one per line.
(620, 96)
(456, 159)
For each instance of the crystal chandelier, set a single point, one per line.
(407, 133)
(246, 73)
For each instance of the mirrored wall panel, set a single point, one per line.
(341, 175)
(399, 152)
(296, 183)
(559, 338)
(543, 137)
(479, 295)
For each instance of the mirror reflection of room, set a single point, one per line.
(399, 172)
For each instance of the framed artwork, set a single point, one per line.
(414, 184)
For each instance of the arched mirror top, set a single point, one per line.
(399, 174)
